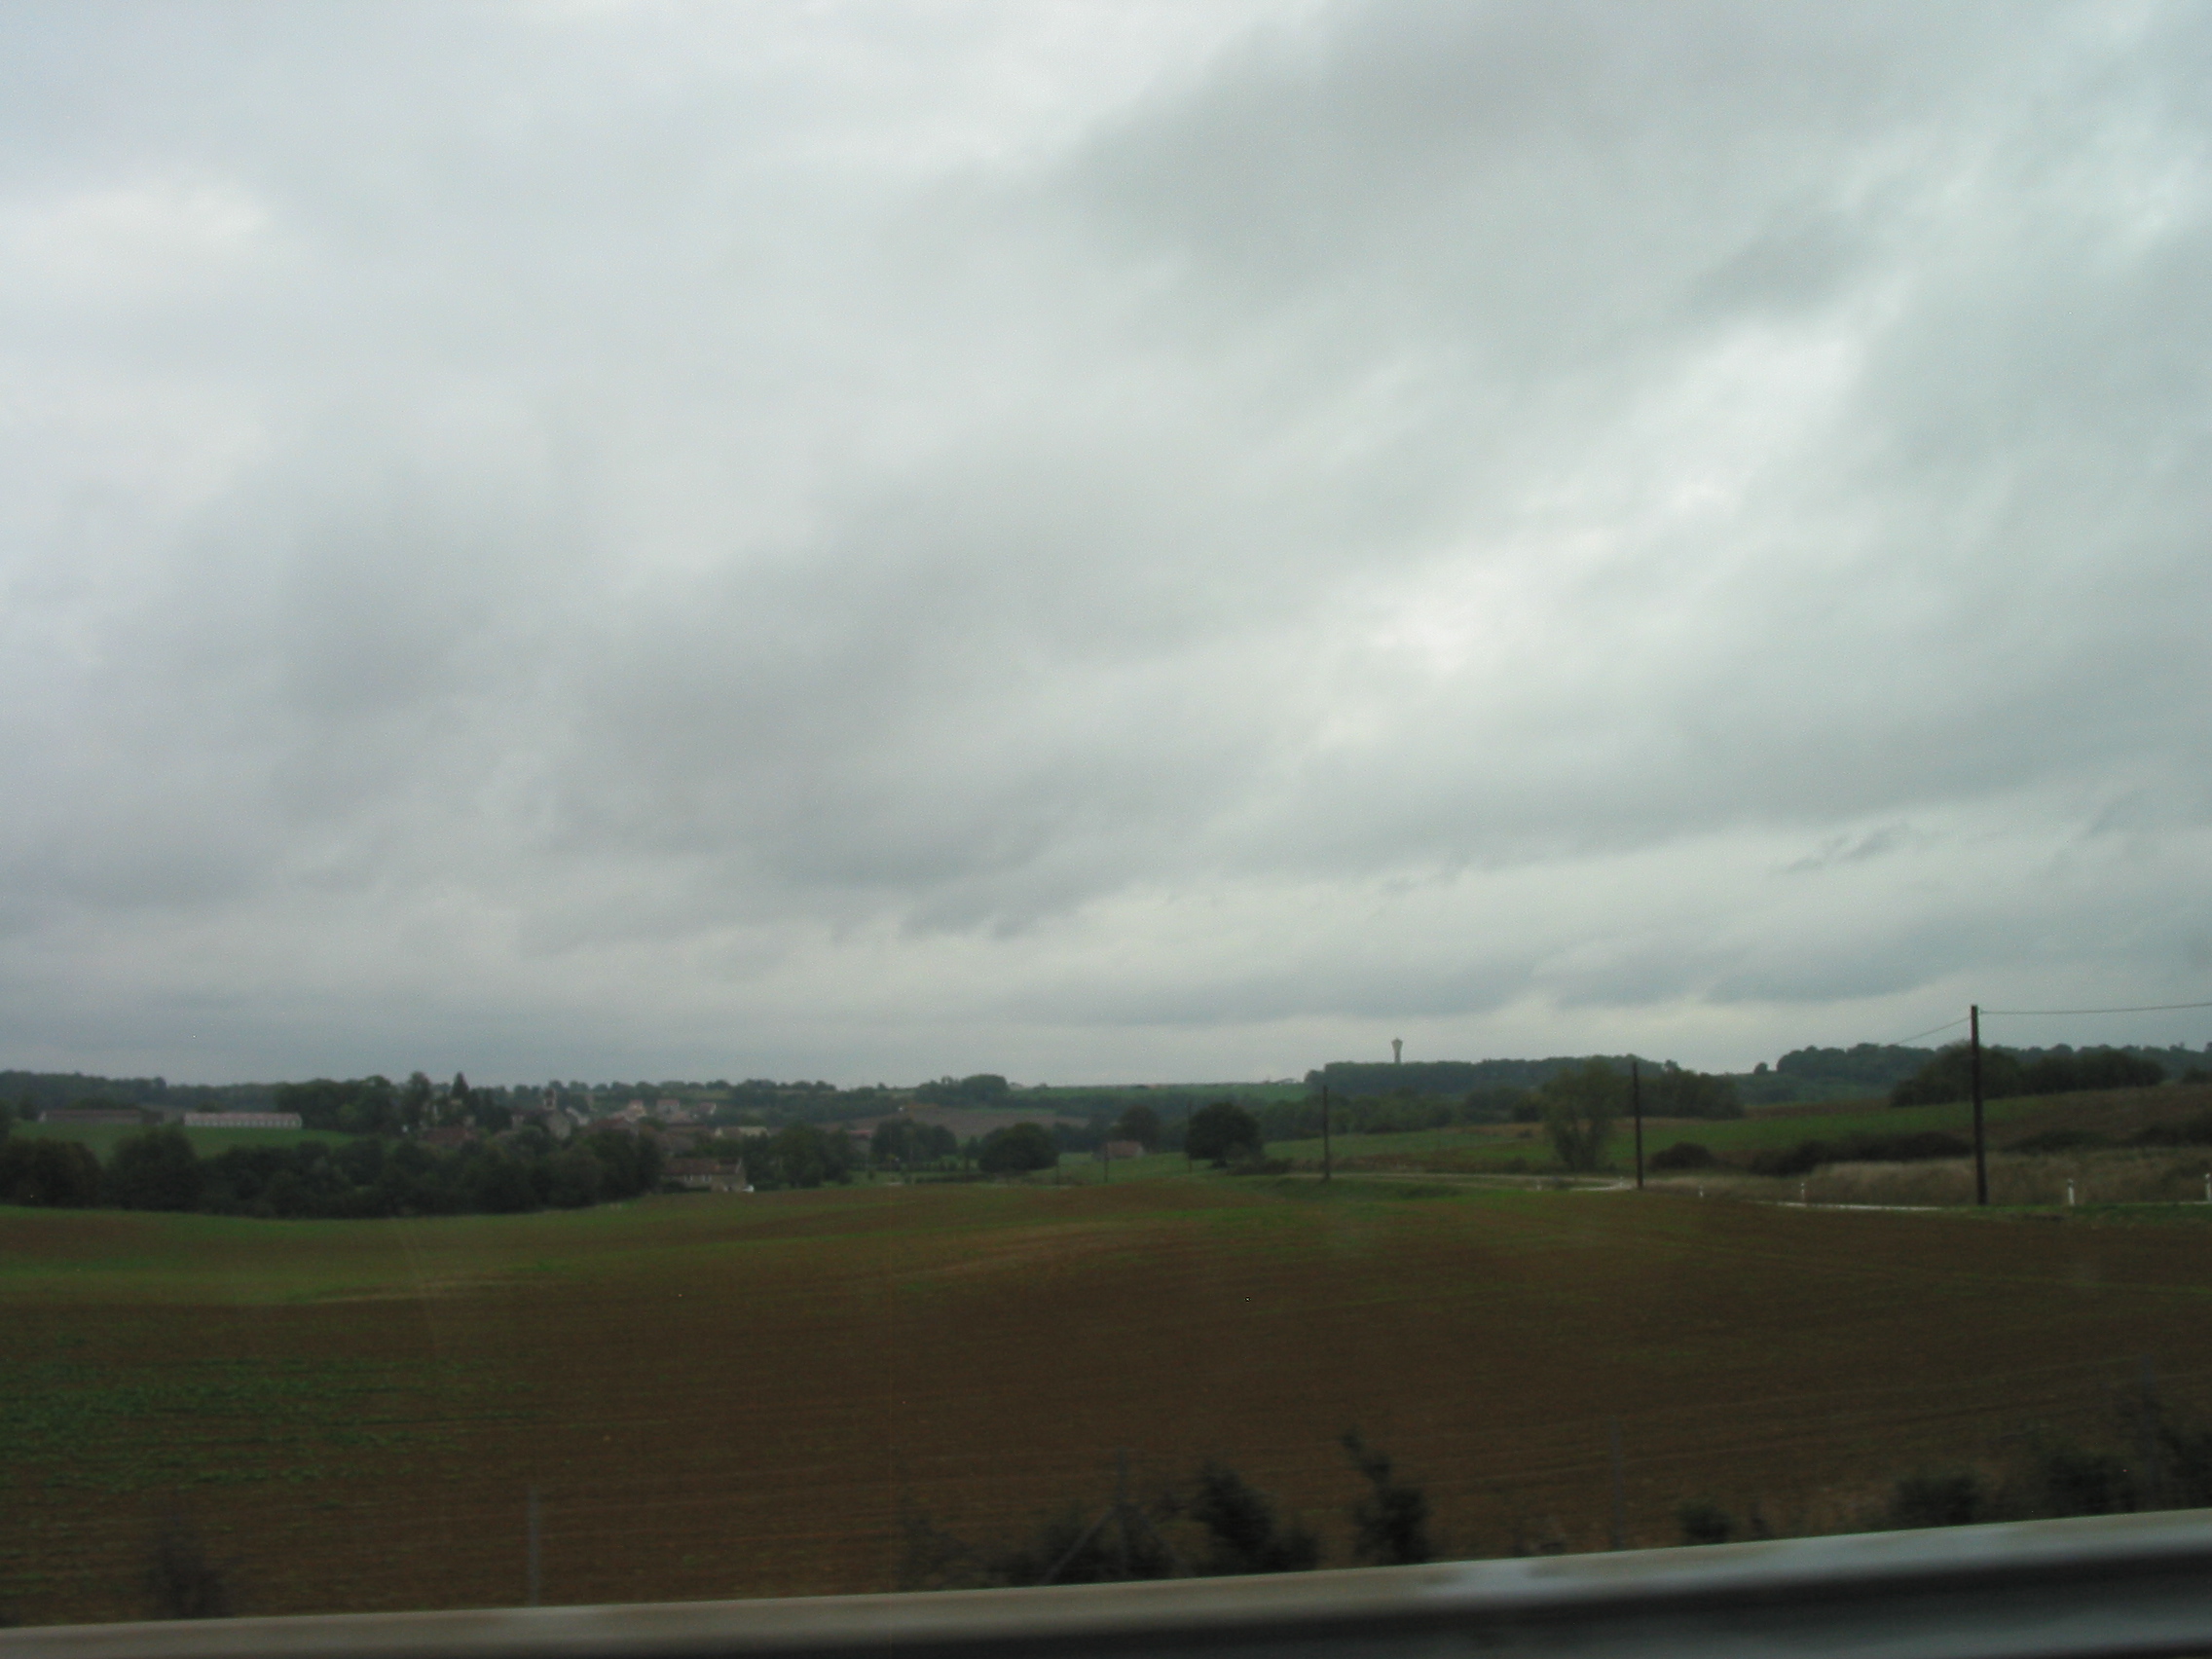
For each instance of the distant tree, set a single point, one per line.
(984, 1089)
(156, 1170)
(803, 1155)
(902, 1140)
(629, 1165)
(572, 1179)
(366, 1106)
(1222, 1132)
(499, 1185)
(1017, 1150)
(1138, 1123)
(56, 1173)
(1867, 1067)
(1493, 1103)
(1948, 1076)
(1670, 1091)
(415, 1100)
(1580, 1107)
(488, 1112)
(374, 1109)
(2068, 1073)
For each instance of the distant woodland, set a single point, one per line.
(417, 1146)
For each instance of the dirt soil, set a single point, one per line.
(750, 1396)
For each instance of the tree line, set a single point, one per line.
(359, 1179)
(1947, 1075)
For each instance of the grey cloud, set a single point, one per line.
(767, 539)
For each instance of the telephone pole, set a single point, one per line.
(1974, 1075)
(1635, 1109)
(1325, 1165)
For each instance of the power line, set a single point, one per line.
(2151, 1008)
(1929, 1032)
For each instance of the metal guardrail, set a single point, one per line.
(2113, 1585)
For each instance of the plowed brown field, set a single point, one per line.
(744, 1396)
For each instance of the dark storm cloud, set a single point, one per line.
(623, 538)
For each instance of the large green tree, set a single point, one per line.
(156, 1170)
(36, 1170)
(903, 1140)
(1138, 1123)
(1222, 1133)
(1017, 1150)
(1580, 1108)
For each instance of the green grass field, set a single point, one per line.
(738, 1396)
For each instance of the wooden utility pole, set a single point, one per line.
(1325, 1164)
(1974, 1077)
(536, 1578)
(1635, 1107)
(1620, 1487)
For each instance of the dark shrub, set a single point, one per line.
(1684, 1155)
(182, 1582)
(1901, 1149)
(1073, 1547)
(1248, 1536)
(2190, 1132)
(1807, 1155)
(2065, 1479)
(1800, 1160)
(1704, 1522)
(2061, 1140)
(1945, 1498)
(1391, 1524)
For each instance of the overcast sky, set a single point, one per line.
(1096, 540)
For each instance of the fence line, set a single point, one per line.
(2111, 1585)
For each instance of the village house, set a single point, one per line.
(241, 1121)
(705, 1174)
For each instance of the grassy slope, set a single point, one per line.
(745, 1395)
(2118, 1112)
